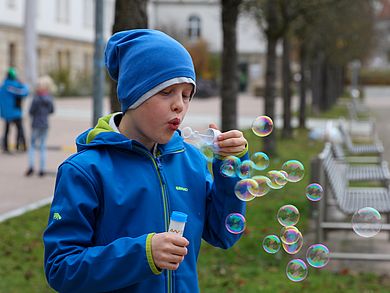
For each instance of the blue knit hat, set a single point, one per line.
(144, 62)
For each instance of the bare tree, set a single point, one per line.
(229, 86)
(128, 15)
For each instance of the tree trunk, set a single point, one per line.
(128, 15)
(270, 74)
(302, 87)
(269, 94)
(229, 70)
(286, 72)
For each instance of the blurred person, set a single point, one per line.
(40, 109)
(12, 93)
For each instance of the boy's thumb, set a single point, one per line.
(213, 125)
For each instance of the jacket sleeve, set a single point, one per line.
(220, 202)
(73, 263)
(18, 89)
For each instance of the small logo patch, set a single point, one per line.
(57, 216)
(181, 188)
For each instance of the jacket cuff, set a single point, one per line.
(149, 256)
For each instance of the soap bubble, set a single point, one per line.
(288, 215)
(263, 185)
(317, 255)
(235, 223)
(208, 152)
(229, 166)
(366, 222)
(245, 169)
(314, 192)
(290, 234)
(262, 126)
(296, 270)
(294, 169)
(260, 160)
(186, 132)
(245, 189)
(295, 247)
(271, 244)
(277, 179)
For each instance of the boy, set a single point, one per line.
(112, 201)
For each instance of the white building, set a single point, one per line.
(65, 31)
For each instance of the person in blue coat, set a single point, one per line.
(108, 222)
(12, 93)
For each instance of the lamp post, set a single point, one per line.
(98, 73)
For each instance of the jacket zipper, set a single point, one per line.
(157, 164)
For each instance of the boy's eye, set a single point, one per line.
(166, 93)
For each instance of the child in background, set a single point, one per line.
(41, 107)
(107, 229)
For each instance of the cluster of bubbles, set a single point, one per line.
(291, 240)
(366, 222)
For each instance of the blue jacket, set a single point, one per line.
(113, 194)
(11, 93)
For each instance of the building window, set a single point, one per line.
(11, 4)
(194, 31)
(87, 64)
(12, 54)
(63, 60)
(62, 11)
(88, 13)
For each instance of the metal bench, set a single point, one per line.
(375, 148)
(332, 175)
(362, 168)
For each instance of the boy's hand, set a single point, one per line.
(229, 143)
(168, 250)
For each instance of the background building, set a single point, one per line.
(65, 31)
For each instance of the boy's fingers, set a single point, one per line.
(180, 241)
(213, 125)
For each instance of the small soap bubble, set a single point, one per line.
(229, 166)
(290, 235)
(295, 247)
(262, 126)
(263, 185)
(277, 179)
(235, 223)
(296, 270)
(367, 222)
(260, 160)
(271, 244)
(317, 255)
(245, 189)
(314, 192)
(208, 152)
(288, 215)
(245, 169)
(294, 169)
(186, 132)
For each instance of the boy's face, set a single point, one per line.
(155, 120)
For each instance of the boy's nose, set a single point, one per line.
(177, 105)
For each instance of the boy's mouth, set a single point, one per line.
(174, 123)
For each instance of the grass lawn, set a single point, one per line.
(244, 268)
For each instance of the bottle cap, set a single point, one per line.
(178, 217)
